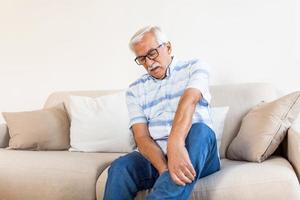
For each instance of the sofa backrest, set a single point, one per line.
(239, 97)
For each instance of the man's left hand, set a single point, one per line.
(179, 163)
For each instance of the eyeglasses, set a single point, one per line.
(152, 54)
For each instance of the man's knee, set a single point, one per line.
(200, 132)
(120, 165)
(116, 165)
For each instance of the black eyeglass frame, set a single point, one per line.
(148, 56)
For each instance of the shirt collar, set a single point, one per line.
(171, 66)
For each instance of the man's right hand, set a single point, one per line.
(149, 148)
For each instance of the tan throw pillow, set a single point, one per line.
(264, 128)
(47, 129)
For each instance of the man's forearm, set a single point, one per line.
(149, 149)
(179, 164)
(183, 117)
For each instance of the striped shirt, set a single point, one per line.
(154, 102)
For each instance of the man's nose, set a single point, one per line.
(148, 62)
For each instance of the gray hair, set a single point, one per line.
(159, 35)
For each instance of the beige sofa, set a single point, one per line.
(63, 175)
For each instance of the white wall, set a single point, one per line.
(50, 45)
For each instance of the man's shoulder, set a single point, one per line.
(193, 61)
(136, 87)
(196, 63)
(144, 78)
(186, 64)
(191, 67)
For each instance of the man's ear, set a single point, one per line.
(169, 47)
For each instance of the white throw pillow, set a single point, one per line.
(218, 115)
(100, 124)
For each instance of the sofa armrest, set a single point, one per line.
(100, 185)
(4, 136)
(293, 149)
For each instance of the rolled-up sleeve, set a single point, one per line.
(135, 111)
(199, 79)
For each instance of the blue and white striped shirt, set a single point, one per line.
(154, 102)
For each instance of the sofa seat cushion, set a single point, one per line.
(273, 179)
(51, 175)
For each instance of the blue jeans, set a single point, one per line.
(133, 172)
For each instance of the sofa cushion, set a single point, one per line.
(264, 128)
(218, 115)
(100, 124)
(51, 175)
(47, 129)
(273, 179)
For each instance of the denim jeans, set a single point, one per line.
(133, 172)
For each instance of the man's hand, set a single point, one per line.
(179, 163)
(149, 148)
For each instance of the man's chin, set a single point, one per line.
(158, 73)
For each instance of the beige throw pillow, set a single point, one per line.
(264, 128)
(46, 129)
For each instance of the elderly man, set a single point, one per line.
(170, 119)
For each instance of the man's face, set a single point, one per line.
(156, 67)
